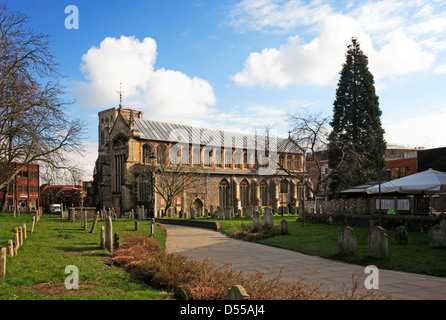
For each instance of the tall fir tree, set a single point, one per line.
(356, 147)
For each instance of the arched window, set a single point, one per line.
(217, 157)
(228, 159)
(223, 188)
(196, 156)
(238, 158)
(161, 154)
(244, 193)
(282, 161)
(146, 151)
(263, 193)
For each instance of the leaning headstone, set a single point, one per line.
(437, 237)
(33, 223)
(346, 240)
(377, 243)
(95, 222)
(237, 293)
(401, 235)
(284, 227)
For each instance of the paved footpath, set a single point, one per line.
(199, 243)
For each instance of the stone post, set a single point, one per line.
(16, 238)
(3, 262)
(10, 248)
(109, 234)
(136, 225)
(32, 224)
(103, 237)
(20, 236)
(85, 221)
(24, 231)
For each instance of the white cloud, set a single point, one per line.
(424, 131)
(399, 37)
(127, 60)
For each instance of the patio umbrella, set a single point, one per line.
(429, 181)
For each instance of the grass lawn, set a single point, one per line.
(322, 240)
(38, 271)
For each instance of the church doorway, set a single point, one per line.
(197, 205)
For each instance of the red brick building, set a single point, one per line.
(24, 192)
(401, 162)
(67, 195)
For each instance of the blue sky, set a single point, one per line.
(243, 64)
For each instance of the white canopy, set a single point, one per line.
(427, 181)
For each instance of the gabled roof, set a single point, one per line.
(162, 131)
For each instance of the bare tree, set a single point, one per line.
(171, 180)
(310, 132)
(34, 126)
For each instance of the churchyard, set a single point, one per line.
(36, 269)
(394, 249)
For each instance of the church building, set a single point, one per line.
(236, 169)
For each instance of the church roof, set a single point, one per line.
(162, 131)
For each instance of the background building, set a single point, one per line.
(67, 195)
(228, 169)
(23, 192)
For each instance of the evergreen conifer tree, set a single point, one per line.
(356, 144)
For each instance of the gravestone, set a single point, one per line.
(284, 227)
(437, 236)
(227, 213)
(237, 293)
(377, 243)
(192, 213)
(346, 240)
(268, 219)
(401, 235)
(248, 211)
(256, 217)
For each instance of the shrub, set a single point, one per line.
(145, 260)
